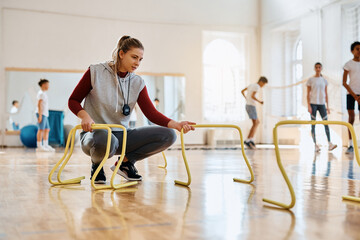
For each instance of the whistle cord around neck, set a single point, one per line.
(122, 92)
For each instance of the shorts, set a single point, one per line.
(251, 110)
(350, 102)
(44, 122)
(15, 126)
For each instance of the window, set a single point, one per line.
(297, 77)
(350, 29)
(286, 96)
(224, 77)
(351, 26)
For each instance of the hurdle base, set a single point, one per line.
(242, 181)
(186, 184)
(350, 198)
(279, 204)
(114, 186)
(69, 181)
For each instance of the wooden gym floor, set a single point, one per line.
(214, 207)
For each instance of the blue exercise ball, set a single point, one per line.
(28, 135)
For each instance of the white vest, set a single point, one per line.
(105, 101)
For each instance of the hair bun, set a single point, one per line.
(123, 38)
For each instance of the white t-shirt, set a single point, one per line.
(250, 90)
(353, 68)
(13, 109)
(44, 103)
(317, 92)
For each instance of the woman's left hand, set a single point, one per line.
(186, 125)
(328, 110)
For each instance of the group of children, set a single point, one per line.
(317, 98)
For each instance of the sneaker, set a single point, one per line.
(128, 171)
(317, 148)
(252, 144)
(349, 150)
(42, 149)
(332, 146)
(100, 178)
(51, 149)
(248, 145)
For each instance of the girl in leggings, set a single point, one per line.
(111, 90)
(317, 99)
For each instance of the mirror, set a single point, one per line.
(22, 85)
(169, 93)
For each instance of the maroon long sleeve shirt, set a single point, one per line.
(147, 107)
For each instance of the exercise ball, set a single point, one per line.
(28, 135)
(67, 129)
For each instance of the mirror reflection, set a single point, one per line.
(167, 93)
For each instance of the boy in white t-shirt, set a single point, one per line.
(42, 114)
(352, 68)
(317, 99)
(251, 100)
(13, 110)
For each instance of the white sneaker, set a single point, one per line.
(332, 146)
(49, 148)
(42, 149)
(317, 148)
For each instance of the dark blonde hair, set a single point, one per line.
(125, 44)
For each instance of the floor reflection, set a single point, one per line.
(214, 207)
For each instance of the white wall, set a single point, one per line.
(2, 86)
(280, 11)
(201, 12)
(73, 34)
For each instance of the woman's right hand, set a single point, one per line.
(86, 123)
(309, 109)
(39, 118)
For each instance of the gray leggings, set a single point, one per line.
(141, 142)
(323, 113)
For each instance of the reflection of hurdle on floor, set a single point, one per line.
(278, 159)
(67, 154)
(215, 126)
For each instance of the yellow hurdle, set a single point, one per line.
(165, 165)
(65, 159)
(214, 126)
(278, 159)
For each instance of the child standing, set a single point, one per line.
(251, 100)
(42, 114)
(13, 110)
(352, 68)
(316, 98)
